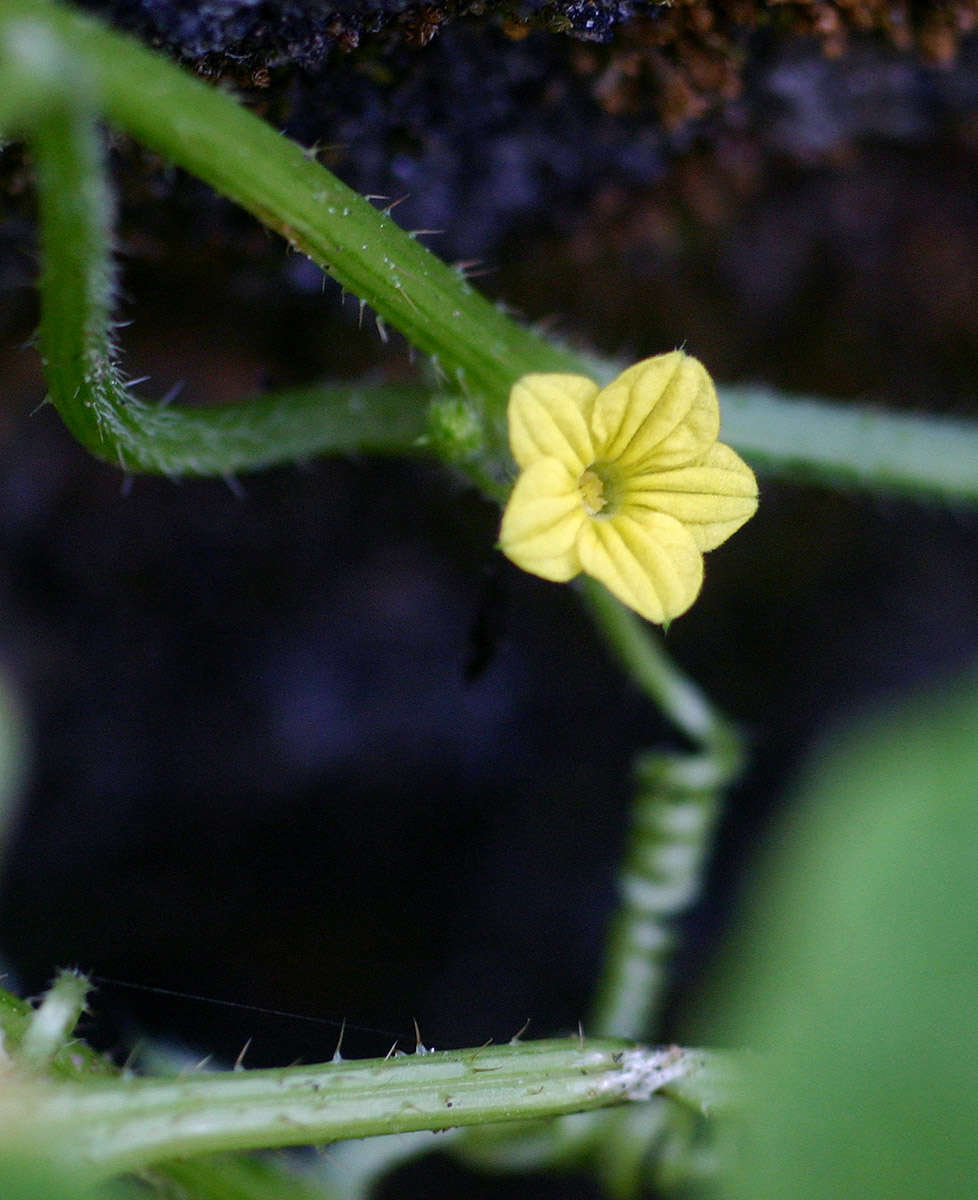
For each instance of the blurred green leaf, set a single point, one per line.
(856, 976)
(31, 1179)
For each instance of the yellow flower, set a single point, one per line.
(627, 483)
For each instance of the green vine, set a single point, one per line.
(60, 74)
(59, 70)
(675, 809)
(112, 1125)
(853, 445)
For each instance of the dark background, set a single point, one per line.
(259, 770)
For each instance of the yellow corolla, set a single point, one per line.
(627, 483)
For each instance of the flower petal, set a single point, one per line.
(712, 499)
(647, 559)
(542, 521)
(660, 413)
(548, 418)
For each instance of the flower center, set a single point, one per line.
(600, 489)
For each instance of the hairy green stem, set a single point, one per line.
(124, 1124)
(201, 129)
(77, 286)
(50, 53)
(630, 1149)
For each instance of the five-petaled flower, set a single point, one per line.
(627, 483)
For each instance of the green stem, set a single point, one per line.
(52, 1022)
(672, 822)
(116, 1126)
(853, 445)
(641, 654)
(50, 52)
(77, 285)
(630, 1150)
(201, 129)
